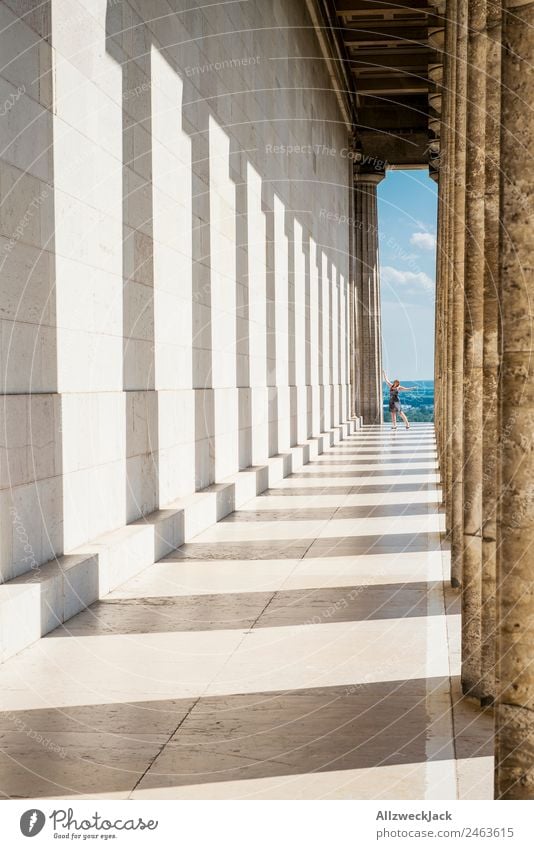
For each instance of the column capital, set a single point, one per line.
(369, 177)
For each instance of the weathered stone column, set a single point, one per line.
(439, 324)
(515, 531)
(354, 352)
(491, 349)
(450, 145)
(457, 317)
(442, 377)
(473, 395)
(367, 279)
(440, 327)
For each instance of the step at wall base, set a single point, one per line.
(38, 601)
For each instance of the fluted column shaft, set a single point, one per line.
(440, 367)
(440, 316)
(515, 530)
(458, 296)
(473, 394)
(445, 252)
(491, 349)
(450, 44)
(353, 316)
(367, 278)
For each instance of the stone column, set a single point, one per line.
(473, 394)
(354, 356)
(515, 532)
(439, 324)
(450, 146)
(457, 316)
(491, 349)
(443, 251)
(367, 277)
(440, 320)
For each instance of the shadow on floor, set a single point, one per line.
(316, 606)
(118, 747)
(295, 549)
(364, 489)
(365, 473)
(364, 511)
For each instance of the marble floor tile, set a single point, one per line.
(295, 488)
(392, 498)
(74, 763)
(352, 604)
(128, 720)
(343, 546)
(409, 781)
(280, 531)
(114, 668)
(166, 614)
(306, 731)
(379, 525)
(251, 549)
(332, 654)
(198, 577)
(363, 570)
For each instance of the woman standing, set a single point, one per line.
(395, 405)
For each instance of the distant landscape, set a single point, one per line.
(418, 405)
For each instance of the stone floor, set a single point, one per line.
(304, 647)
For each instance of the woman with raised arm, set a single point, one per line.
(395, 405)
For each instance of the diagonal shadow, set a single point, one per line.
(366, 473)
(412, 459)
(295, 549)
(115, 747)
(364, 511)
(315, 606)
(369, 489)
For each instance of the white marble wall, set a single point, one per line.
(174, 274)
(31, 513)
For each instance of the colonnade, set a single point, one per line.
(484, 409)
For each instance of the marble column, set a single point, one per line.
(490, 349)
(367, 277)
(473, 394)
(457, 315)
(515, 531)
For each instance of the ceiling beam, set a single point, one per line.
(370, 41)
(392, 73)
(386, 42)
(401, 36)
(394, 85)
(388, 27)
(410, 50)
(379, 61)
(378, 7)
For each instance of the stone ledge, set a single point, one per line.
(35, 603)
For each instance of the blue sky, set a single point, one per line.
(407, 203)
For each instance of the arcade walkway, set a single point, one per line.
(298, 649)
